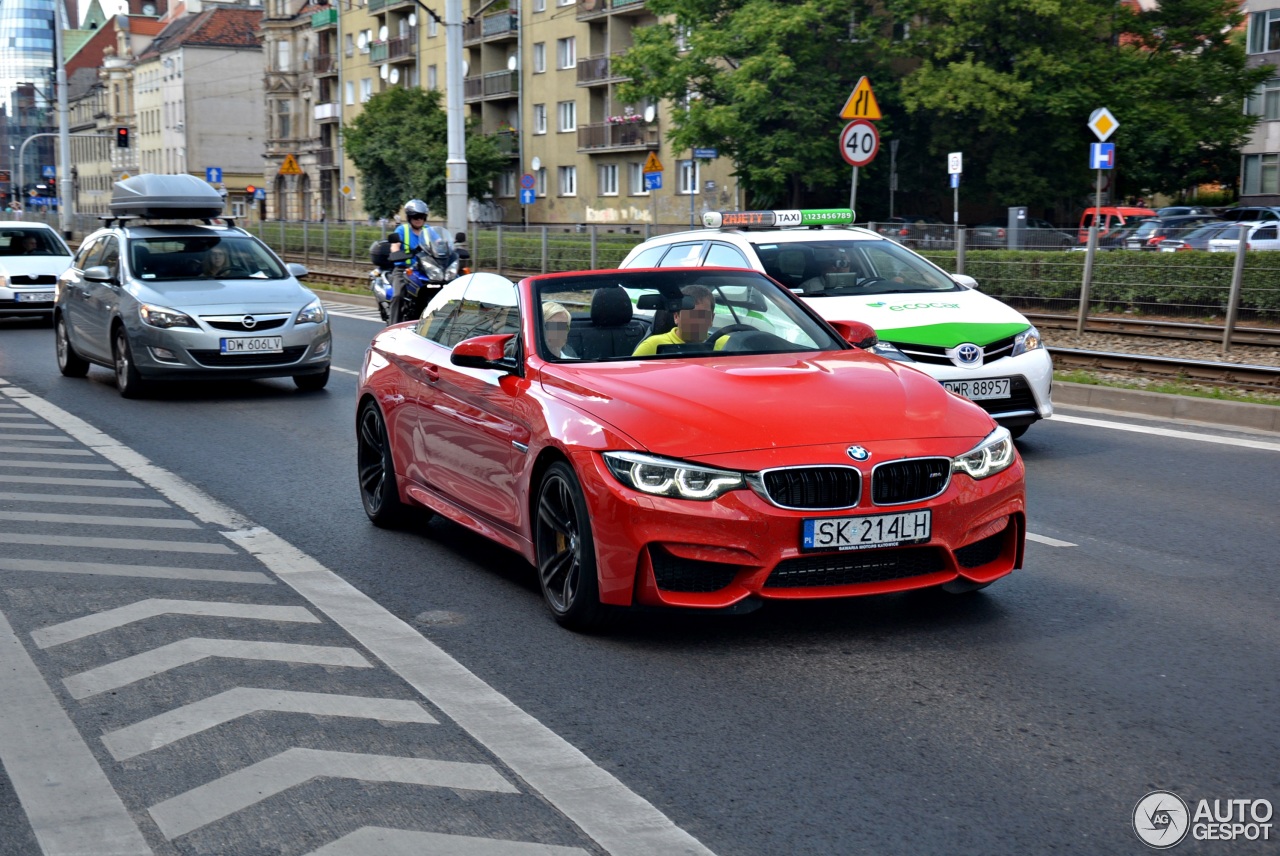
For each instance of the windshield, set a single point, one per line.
(672, 313)
(173, 257)
(1146, 228)
(833, 266)
(31, 242)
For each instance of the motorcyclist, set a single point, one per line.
(407, 237)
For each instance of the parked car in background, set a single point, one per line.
(1112, 241)
(918, 232)
(32, 257)
(1038, 235)
(1110, 218)
(1251, 212)
(1181, 210)
(1199, 237)
(1155, 230)
(1263, 235)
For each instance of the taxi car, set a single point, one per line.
(973, 344)
(769, 457)
(32, 256)
(159, 300)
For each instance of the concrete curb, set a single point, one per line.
(1256, 417)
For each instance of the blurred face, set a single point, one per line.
(217, 258)
(556, 330)
(29, 242)
(694, 324)
(416, 220)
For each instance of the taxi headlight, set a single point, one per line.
(1027, 340)
(993, 454)
(312, 313)
(164, 317)
(667, 477)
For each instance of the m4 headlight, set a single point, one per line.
(1027, 340)
(993, 454)
(890, 352)
(666, 477)
(164, 317)
(312, 313)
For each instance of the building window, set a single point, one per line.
(1264, 31)
(350, 45)
(539, 5)
(540, 183)
(433, 80)
(282, 55)
(507, 183)
(608, 179)
(539, 118)
(284, 123)
(635, 179)
(366, 89)
(366, 38)
(539, 57)
(351, 92)
(682, 34)
(433, 28)
(1265, 101)
(568, 181)
(564, 2)
(688, 171)
(1261, 174)
(567, 116)
(567, 52)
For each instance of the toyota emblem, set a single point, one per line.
(249, 322)
(968, 353)
(858, 453)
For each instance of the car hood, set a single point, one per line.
(944, 319)
(40, 265)
(695, 407)
(214, 296)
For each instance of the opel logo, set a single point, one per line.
(249, 322)
(968, 353)
(857, 453)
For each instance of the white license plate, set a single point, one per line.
(863, 533)
(34, 296)
(979, 390)
(253, 345)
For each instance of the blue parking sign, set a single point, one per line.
(653, 181)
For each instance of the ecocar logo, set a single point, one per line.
(876, 305)
(925, 306)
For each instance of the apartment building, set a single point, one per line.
(1260, 157)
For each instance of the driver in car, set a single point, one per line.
(691, 325)
(833, 262)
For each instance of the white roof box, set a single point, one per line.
(170, 197)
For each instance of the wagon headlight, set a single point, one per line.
(993, 454)
(666, 477)
(312, 313)
(1027, 340)
(164, 317)
(890, 352)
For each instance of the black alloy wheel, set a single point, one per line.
(128, 380)
(378, 491)
(566, 551)
(70, 363)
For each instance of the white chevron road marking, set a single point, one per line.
(255, 783)
(154, 572)
(78, 628)
(224, 707)
(404, 842)
(149, 663)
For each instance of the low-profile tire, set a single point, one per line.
(129, 380)
(566, 551)
(70, 363)
(312, 382)
(376, 470)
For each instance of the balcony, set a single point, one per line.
(325, 158)
(324, 18)
(377, 53)
(375, 5)
(628, 7)
(324, 64)
(508, 143)
(597, 71)
(403, 47)
(498, 27)
(495, 85)
(328, 112)
(589, 9)
(619, 136)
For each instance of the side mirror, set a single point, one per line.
(965, 281)
(856, 333)
(98, 273)
(484, 352)
(298, 271)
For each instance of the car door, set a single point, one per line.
(1265, 237)
(475, 435)
(101, 301)
(76, 291)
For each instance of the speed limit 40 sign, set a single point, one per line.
(859, 142)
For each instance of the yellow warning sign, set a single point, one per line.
(652, 164)
(290, 166)
(862, 103)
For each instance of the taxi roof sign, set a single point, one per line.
(862, 103)
(652, 164)
(290, 166)
(777, 219)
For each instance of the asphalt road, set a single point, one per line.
(1138, 650)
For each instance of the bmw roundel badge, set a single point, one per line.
(857, 453)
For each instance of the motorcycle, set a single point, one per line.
(431, 265)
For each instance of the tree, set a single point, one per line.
(399, 144)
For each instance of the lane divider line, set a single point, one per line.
(1169, 432)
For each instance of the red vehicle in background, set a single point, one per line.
(1110, 218)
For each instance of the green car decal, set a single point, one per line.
(950, 334)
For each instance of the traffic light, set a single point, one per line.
(122, 138)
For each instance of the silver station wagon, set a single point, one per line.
(155, 298)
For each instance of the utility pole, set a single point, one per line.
(64, 136)
(456, 181)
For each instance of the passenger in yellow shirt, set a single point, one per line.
(692, 325)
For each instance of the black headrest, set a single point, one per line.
(610, 307)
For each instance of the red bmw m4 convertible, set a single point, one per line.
(693, 438)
